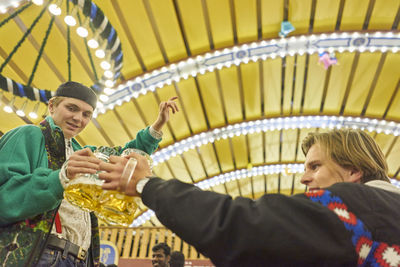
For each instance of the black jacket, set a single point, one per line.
(275, 230)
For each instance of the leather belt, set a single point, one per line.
(66, 247)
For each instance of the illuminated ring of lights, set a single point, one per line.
(106, 31)
(371, 125)
(293, 122)
(237, 175)
(335, 42)
(254, 171)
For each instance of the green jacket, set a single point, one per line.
(30, 189)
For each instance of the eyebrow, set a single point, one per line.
(310, 163)
(72, 105)
(77, 107)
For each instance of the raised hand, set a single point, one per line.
(164, 112)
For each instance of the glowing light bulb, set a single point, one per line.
(104, 98)
(55, 10)
(109, 83)
(7, 109)
(38, 2)
(109, 74)
(92, 43)
(105, 65)
(20, 113)
(100, 53)
(70, 20)
(82, 32)
(33, 115)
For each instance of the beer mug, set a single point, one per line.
(84, 190)
(115, 207)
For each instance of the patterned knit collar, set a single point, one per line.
(53, 126)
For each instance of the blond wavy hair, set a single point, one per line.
(56, 100)
(351, 149)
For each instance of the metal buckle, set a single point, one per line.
(81, 254)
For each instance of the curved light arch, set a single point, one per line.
(335, 42)
(293, 122)
(286, 169)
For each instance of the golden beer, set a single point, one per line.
(84, 191)
(116, 207)
(113, 207)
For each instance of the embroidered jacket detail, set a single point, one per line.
(370, 253)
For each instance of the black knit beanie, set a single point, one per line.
(78, 91)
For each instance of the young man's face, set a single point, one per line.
(159, 259)
(321, 171)
(71, 115)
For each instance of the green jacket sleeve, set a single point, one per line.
(144, 141)
(27, 186)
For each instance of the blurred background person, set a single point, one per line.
(161, 255)
(177, 259)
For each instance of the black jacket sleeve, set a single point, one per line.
(273, 230)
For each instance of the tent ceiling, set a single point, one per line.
(157, 33)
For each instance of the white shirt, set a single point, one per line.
(75, 223)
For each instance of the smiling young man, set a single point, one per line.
(161, 255)
(70, 114)
(349, 217)
(38, 227)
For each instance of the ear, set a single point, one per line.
(355, 176)
(51, 106)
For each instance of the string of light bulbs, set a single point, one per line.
(105, 41)
(300, 122)
(268, 49)
(6, 4)
(271, 124)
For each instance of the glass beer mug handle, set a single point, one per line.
(127, 174)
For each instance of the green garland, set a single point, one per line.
(28, 31)
(15, 14)
(88, 8)
(68, 46)
(40, 51)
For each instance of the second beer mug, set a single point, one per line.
(115, 207)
